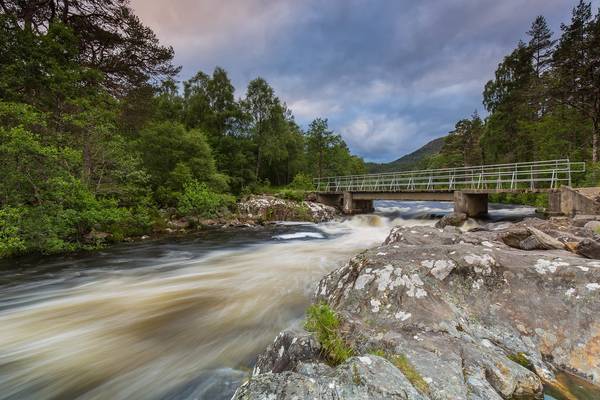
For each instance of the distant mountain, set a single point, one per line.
(409, 161)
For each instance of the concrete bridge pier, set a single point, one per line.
(331, 199)
(472, 204)
(356, 206)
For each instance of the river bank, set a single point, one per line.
(251, 211)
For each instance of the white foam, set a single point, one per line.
(300, 235)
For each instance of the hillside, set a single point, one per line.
(409, 161)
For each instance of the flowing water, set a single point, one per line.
(175, 318)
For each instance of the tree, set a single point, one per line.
(266, 118)
(541, 45)
(508, 99)
(320, 142)
(576, 63)
(111, 38)
(174, 156)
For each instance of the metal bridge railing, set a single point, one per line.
(533, 175)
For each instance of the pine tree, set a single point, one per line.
(577, 66)
(541, 44)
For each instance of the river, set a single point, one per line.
(178, 318)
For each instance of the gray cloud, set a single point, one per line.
(389, 75)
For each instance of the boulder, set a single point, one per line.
(365, 377)
(452, 219)
(530, 238)
(472, 317)
(593, 226)
(290, 348)
(588, 248)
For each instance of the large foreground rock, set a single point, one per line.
(476, 318)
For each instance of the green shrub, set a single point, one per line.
(199, 201)
(591, 177)
(538, 200)
(325, 324)
(291, 194)
(302, 182)
(10, 241)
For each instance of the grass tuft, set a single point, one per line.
(403, 364)
(325, 324)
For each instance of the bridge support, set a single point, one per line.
(472, 204)
(356, 206)
(331, 199)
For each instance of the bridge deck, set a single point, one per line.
(538, 176)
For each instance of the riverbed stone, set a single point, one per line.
(452, 219)
(476, 317)
(593, 226)
(588, 248)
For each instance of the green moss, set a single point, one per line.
(521, 359)
(325, 324)
(403, 364)
(597, 230)
(378, 352)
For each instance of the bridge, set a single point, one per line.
(467, 186)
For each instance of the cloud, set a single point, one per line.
(389, 75)
(381, 137)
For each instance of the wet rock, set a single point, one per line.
(452, 219)
(290, 348)
(588, 248)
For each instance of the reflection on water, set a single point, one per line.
(570, 387)
(170, 319)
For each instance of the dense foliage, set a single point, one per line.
(543, 103)
(99, 142)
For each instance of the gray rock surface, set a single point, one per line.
(366, 377)
(588, 248)
(477, 319)
(593, 226)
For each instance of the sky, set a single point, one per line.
(390, 75)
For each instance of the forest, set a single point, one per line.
(542, 104)
(97, 134)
